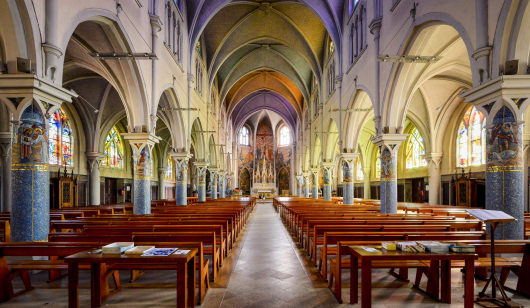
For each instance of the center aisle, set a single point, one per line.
(268, 272)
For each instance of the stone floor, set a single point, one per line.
(266, 269)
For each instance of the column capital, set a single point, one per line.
(180, 156)
(349, 158)
(18, 91)
(94, 160)
(5, 144)
(389, 141)
(162, 169)
(434, 159)
(201, 165)
(139, 141)
(506, 90)
(94, 156)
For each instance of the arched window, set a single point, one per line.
(359, 174)
(61, 140)
(284, 136)
(244, 136)
(113, 150)
(470, 141)
(415, 150)
(378, 165)
(169, 169)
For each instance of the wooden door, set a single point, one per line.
(111, 191)
(66, 193)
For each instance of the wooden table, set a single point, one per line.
(184, 264)
(360, 254)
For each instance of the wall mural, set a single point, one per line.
(244, 181)
(503, 140)
(387, 166)
(347, 173)
(283, 167)
(245, 163)
(32, 145)
(264, 163)
(143, 165)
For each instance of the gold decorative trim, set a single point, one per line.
(492, 169)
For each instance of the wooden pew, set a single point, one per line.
(55, 251)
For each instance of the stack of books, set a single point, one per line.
(461, 248)
(410, 247)
(434, 246)
(117, 248)
(138, 250)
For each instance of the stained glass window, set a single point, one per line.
(244, 136)
(61, 140)
(113, 150)
(415, 150)
(198, 47)
(359, 174)
(169, 169)
(378, 164)
(470, 141)
(331, 47)
(285, 136)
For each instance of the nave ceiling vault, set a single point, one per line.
(255, 46)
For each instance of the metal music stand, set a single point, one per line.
(495, 218)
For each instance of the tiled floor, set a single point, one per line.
(266, 269)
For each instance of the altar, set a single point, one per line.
(264, 190)
(264, 180)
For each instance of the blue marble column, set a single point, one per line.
(307, 185)
(30, 195)
(300, 185)
(347, 186)
(504, 172)
(181, 177)
(213, 183)
(314, 184)
(388, 181)
(326, 190)
(142, 182)
(201, 189)
(222, 189)
(229, 186)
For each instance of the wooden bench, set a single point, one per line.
(55, 251)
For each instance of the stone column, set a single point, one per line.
(326, 186)
(162, 183)
(388, 146)
(30, 194)
(504, 170)
(435, 177)
(229, 184)
(300, 185)
(51, 48)
(94, 186)
(5, 162)
(213, 182)
(367, 184)
(222, 189)
(347, 177)
(201, 176)
(181, 160)
(307, 185)
(483, 51)
(142, 145)
(314, 183)
(504, 101)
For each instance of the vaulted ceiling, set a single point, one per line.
(268, 49)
